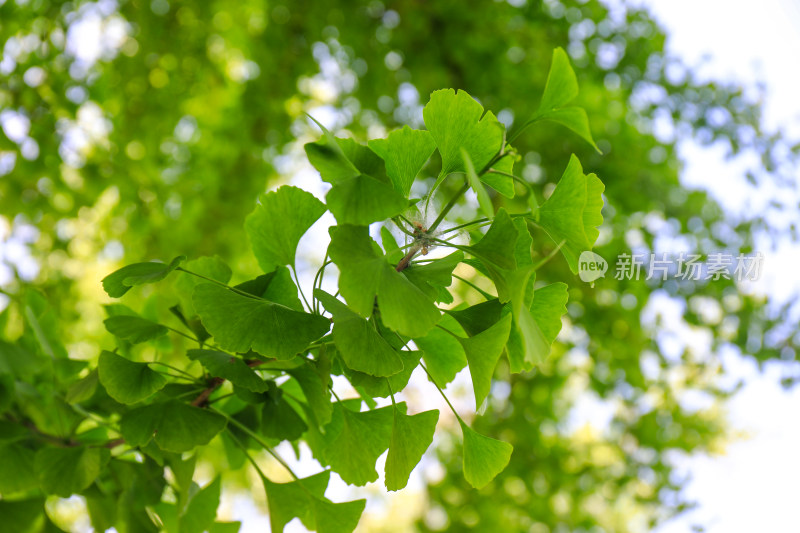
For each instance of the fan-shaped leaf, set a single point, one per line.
(126, 381)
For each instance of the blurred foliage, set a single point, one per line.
(145, 129)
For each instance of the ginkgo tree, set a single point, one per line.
(265, 350)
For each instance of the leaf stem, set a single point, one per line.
(299, 288)
(234, 289)
(258, 439)
(549, 256)
(448, 207)
(441, 392)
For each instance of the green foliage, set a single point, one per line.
(252, 332)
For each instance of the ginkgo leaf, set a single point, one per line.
(573, 212)
(280, 421)
(278, 222)
(405, 152)
(561, 86)
(337, 517)
(177, 427)
(200, 512)
(383, 387)
(364, 199)
(477, 318)
(497, 253)
(67, 471)
(433, 276)
(497, 246)
(532, 335)
(368, 432)
(411, 436)
(443, 354)
(365, 273)
(316, 393)
(239, 323)
(134, 329)
(574, 118)
(456, 121)
(287, 501)
(209, 267)
(483, 351)
(17, 466)
(277, 287)
(549, 304)
(484, 457)
(223, 365)
(484, 202)
(126, 381)
(358, 342)
(339, 160)
(121, 281)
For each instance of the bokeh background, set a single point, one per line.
(136, 130)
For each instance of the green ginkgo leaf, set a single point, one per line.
(316, 393)
(280, 421)
(17, 466)
(177, 427)
(484, 202)
(561, 86)
(358, 342)
(411, 436)
(239, 323)
(134, 329)
(484, 457)
(405, 152)
(573, 212)
(368, 432)
(333, 517)
(67, 471)
(531, 338)
(226, 366)
(456, 121)
(483, 351)
(287, 501)
(278, 222)
(339, 160)
(364, 199)
(443, 354)
(434, 276)
(365, 274)
(277, 287)
(574, 118)
(384, 387)
(209, 267)
(121, 281)
(126, 381)
(200, 512)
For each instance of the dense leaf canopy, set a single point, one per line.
(165, 141)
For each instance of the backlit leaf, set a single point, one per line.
(365, 273)
(134, 329)
(127, 381)
(411, 436)
(484, 457)
(405, 152)
(573, 212)
(456, 121)
(239, 323)
(176, 426)
(278, 222)
(483, 351)
(223, 365)
(121, 281)
(358, 342)
(67, 471)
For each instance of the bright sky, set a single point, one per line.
(755, 485)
